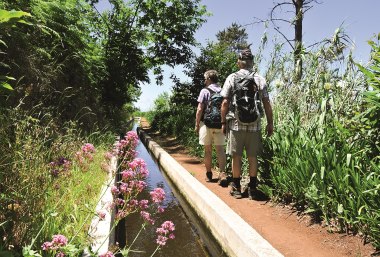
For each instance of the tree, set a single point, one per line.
(336, 44)
(300, 8)
(142, 35)
(234, 37)
(75, 63)
(220, 56)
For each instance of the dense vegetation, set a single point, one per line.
(324, 156)
(69, 74)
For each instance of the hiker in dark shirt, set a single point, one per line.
(244, 135)
(210, 136)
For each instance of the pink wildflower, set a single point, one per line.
(123, 187)
(163, 231)
(101, 215)
(161, 240)
(146, 216)
(108, 155)
(157, 195)
(47, 246)
(88, 148)
(114, 190)
(107, 254)
(119, 201)
(59, 240)
(60, 254)
(140, 185)
(121, 214)
(168, 225)
(160, 209)
(127, 175)
(144, 204)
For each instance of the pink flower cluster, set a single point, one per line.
(57, 242)
(108, 155)
(60, 166)
(88, 148)
(125, 148)
(165, 232)
(134, 172)
(85, 154)
(157, 195)
(101, 215)
(129, 187)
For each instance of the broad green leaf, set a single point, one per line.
(6, 16)
(5, 85)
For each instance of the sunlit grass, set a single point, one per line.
(77, 194)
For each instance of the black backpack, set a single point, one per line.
(246, 102)
(212, 117)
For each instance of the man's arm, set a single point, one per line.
(198, 116)
(224, 111)
(269, 115)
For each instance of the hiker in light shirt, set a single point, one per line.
(244, 135)
(210, 136)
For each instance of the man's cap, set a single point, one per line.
(246, 54)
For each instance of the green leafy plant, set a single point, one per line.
(9, 19)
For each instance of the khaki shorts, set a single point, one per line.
(240, 140)
(210, 136)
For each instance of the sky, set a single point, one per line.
(359, 18)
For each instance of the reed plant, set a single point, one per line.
(323, 157)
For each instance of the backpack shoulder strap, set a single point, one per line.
(210, 90)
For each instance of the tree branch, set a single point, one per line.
(287, 40)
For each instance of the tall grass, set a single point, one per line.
(32, 192)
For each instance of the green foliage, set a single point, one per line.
(85, 66)
(8, 19)
(323, 156)
(370, 118)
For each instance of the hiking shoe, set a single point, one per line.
(208, 176)
(223, 179)
(253, 194)
(235, 191)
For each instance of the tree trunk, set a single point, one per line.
(298, 40)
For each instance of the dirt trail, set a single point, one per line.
(291, 234)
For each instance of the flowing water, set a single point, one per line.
(187, 239)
